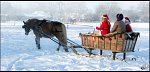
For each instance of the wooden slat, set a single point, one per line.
(120, 42)
(107, 43)
(101, 43)
(124, 45)
(113, 43)
(135, 40)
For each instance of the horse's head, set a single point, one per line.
(28, 25)
(26, 28)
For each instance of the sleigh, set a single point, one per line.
(115, 42)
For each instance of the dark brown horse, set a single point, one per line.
(49, 28)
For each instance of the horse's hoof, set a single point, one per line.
(66, 50)
(57, 50)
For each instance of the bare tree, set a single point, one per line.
(143, 8)
(132, 14)
(139, 13)
(110, 8)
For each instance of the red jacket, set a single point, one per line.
(104, 28)
(128, 28)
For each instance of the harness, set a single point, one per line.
(43, 21)
(49, 36)
(39, 30)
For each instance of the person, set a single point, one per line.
(127, 22)
(105, 25)
(119, 25)
(128, 27)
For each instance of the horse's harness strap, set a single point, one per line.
(43, 21)
(39, 26)
(40, 30)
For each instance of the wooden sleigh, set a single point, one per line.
(115, 42)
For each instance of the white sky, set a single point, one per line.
(90, 4)
(123, 4)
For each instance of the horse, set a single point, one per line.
(46, 28)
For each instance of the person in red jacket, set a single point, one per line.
(127, 22)
(105, 25)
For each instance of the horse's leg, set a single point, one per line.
(64, 40)
(37, 40)
(65, 47)
(64, 37)
(60, 37)
(57, 36)
(58, 47)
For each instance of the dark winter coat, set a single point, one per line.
(128, 28)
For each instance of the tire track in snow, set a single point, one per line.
(12, 63)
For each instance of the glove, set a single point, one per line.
(97, 28)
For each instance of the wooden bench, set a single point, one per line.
(115, 42)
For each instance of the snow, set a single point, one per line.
(19, 53)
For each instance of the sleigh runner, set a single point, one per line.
(115, 42)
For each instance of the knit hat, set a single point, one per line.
(126, 18)
(119, 17)
(105, 15)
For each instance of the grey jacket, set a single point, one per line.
(119, 26)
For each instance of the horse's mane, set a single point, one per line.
(34, 19)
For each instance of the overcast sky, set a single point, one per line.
(122, 4)
(90, 4)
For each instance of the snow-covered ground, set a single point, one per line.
(19, 52)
